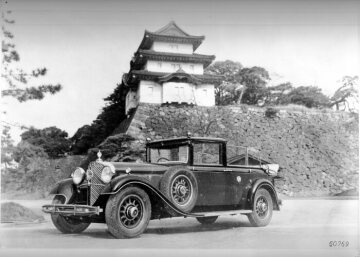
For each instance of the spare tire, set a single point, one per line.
(179, 185)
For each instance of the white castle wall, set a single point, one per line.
(172, 47)
(171, 67)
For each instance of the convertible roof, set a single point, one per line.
(178, 140)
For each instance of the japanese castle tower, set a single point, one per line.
(165, 69)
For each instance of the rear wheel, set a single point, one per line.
(262, 208)
(207, 220)
(128, 213)
(67, 224)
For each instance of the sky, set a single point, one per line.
(87, 46)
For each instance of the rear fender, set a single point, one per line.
(263, 183)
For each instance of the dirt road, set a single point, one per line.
(302, 227)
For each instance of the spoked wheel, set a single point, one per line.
(181, 190)
(180, 187)
(207, 220)
(67, 224)
(131, 211)
(262, 209)
(128, 213)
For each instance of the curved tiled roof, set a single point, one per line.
(142, 55)
(136, 75)
(170, 33)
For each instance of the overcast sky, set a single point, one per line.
(87, 45)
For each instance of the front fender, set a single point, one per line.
(264, 183)
(130, 180)
(56, 189)
(115, 184)
(64, 187)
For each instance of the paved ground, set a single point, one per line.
(302, 227)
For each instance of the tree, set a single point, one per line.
(309, 96)
(17, 79)
(53, 140)
(229, 89)
(254, 80)
(103, 126)
(277, 95)
(349, 90)
(7, 149)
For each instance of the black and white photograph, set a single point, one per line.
(180, 128)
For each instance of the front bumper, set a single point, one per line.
(72, 209)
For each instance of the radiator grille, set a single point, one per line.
(96, 185)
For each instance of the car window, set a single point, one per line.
(169, 154)
(240, 155)
(207, 154)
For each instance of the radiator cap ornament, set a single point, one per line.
(99, 154)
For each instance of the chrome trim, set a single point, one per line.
(71, 209)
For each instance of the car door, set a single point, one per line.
(212, 176)
(237, 181)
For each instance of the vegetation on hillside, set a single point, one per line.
(242, 85)
(90, 136)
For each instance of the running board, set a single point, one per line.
(220, 213)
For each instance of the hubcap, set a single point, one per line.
(181, 190)
(131, 211)
(261, 207)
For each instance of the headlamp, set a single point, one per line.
(78, 175)
(106, 174)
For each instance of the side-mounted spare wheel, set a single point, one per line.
(262, 208)
(179, 185)
(66, 224)
(128, 212)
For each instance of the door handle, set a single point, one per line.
(227, 170)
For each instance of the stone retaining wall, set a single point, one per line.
(318, 151)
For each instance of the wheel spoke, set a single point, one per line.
(181, 190)
(131, 211)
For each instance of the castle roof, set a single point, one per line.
(134, 76)
(141, 56)
(170, 33)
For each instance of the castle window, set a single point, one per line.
(174, 46)
(175, 66)
(180, 93)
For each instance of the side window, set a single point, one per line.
(175, 66)
(207, 154)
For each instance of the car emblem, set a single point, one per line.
(89, 174)
(128, 170)
(238, 178)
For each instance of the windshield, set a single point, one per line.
(168, 154)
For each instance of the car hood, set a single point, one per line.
(121, 167)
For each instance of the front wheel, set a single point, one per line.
(128, 213)
(66, 224)
(262, 209)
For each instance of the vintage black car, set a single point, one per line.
(187, 176)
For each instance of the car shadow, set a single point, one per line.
(153, 229)
(217, 226)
